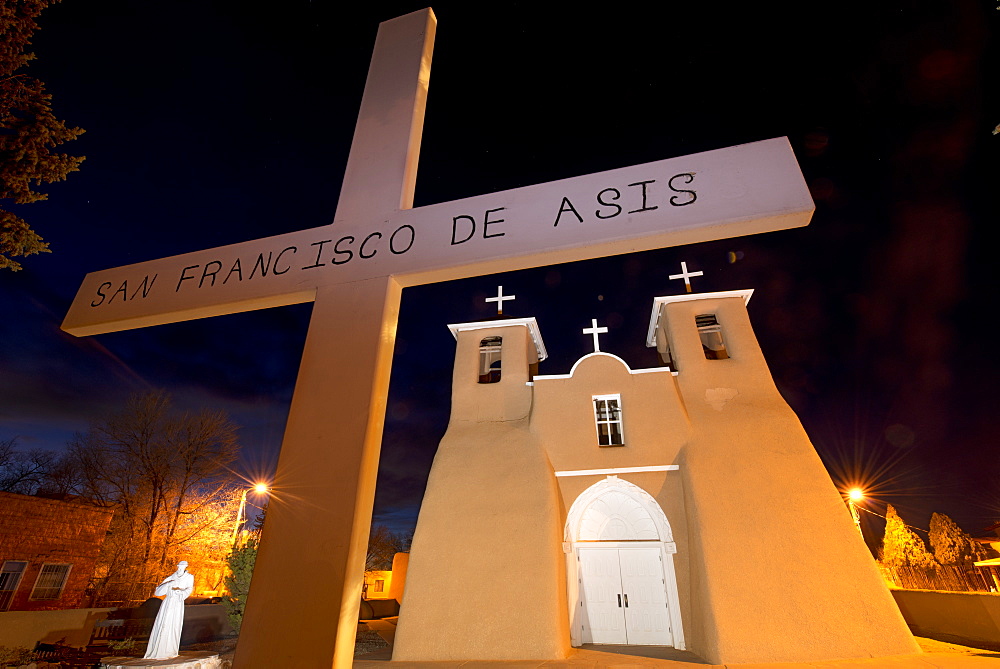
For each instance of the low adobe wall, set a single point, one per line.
(972, 618)
(26, 628)
(73, 627)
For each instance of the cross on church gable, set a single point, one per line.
(595, 332)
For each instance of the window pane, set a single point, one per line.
(10, 578)
(50, 581)
(608, 419)
(615, 428)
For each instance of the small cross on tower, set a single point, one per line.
(596, 332)
(686, 275)
(499, 299)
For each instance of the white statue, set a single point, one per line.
(165, 639)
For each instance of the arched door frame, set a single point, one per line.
(664, 539)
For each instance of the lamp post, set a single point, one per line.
(855, 495)
(259, 489)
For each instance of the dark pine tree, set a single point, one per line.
(29, 133)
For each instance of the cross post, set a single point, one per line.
(303, 603)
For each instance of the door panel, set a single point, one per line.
(603, 619)
(623, 596)
(646, 619)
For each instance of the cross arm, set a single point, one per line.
(713, 195)
(269, 272)
(731, 192)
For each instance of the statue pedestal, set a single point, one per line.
(189, 659)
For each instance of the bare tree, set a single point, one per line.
(167, 474)
(25, 472)
(383, 544)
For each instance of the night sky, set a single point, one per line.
(210, 123)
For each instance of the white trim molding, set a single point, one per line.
(617, 470)
(596, 354)
(529, 323)
(658, 302)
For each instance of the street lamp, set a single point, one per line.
(855, 495)
(259, 489)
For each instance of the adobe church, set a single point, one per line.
(677, 506)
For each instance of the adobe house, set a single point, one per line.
(679, 506)
(48, 551)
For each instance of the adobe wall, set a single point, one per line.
(74, 627)
(71, 627)
(40, 530)
(970, 618)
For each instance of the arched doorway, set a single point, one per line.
(621, 583)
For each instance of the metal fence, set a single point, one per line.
(950, 578)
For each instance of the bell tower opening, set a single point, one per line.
(710, 333)
(490, 359)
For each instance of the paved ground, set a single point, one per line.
(936, 655)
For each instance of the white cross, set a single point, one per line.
(686, 275)
(500, 298)
(596, 332)
(354, 270)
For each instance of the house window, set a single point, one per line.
(711, 337)
(379, 585)
(10, 578)
(489, 359)
(50, 582)
(608, 413)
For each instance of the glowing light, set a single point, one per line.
(258, 488)
(856, 494)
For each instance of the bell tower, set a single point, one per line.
(770, 538)
(492, 509)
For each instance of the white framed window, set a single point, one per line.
(10, 578)
(608, 415)
(51, 581)
(489, 359)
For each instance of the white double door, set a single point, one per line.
(623, 596)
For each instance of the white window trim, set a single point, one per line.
(62, 586)
(597, 420)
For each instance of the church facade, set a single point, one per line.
(678, 506)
